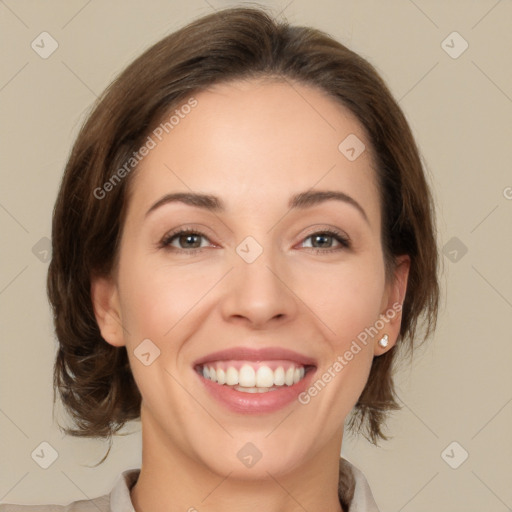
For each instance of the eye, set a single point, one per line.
(188, 240)
(321, 241)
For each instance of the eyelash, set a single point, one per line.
(165, 243)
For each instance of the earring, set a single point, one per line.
(383, 342)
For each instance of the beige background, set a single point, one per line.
(460, 109)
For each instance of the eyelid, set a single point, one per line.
(201, 229)
(326, 228)
(329, 230)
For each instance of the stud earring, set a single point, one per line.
(383, 342)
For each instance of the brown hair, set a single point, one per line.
(93, 377)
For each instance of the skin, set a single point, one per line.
(250, 143)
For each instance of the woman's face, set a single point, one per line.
(282, 280)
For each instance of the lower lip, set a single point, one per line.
(257, 403)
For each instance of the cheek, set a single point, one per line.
(155, 298)
(346, 300)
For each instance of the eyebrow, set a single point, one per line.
(298, 201)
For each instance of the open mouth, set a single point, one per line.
(254, 377)
(246, 380)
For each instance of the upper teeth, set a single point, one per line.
(247, 376)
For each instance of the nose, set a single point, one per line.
(259, 293)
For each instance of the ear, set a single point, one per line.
(105, 300)
(392, 302)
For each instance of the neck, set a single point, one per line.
(171, 480)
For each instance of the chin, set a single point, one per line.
(247, 457)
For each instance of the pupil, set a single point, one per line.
(188, 238)
(320, 237)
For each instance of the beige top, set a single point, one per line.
(353, 491)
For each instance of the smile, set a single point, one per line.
(253, 377)
(246, 380)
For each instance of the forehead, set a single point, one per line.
(257, 141)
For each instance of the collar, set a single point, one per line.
(353, 490)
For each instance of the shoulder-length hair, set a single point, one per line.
(93, 378)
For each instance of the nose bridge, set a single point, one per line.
(256, 288)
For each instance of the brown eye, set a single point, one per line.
(188, 240)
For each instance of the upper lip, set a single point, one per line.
(260, 354)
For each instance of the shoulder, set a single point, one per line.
(118, 500)
(354, 487)
(101, 504)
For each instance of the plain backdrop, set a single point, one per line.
(457, 396)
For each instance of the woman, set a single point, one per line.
(242, 242)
